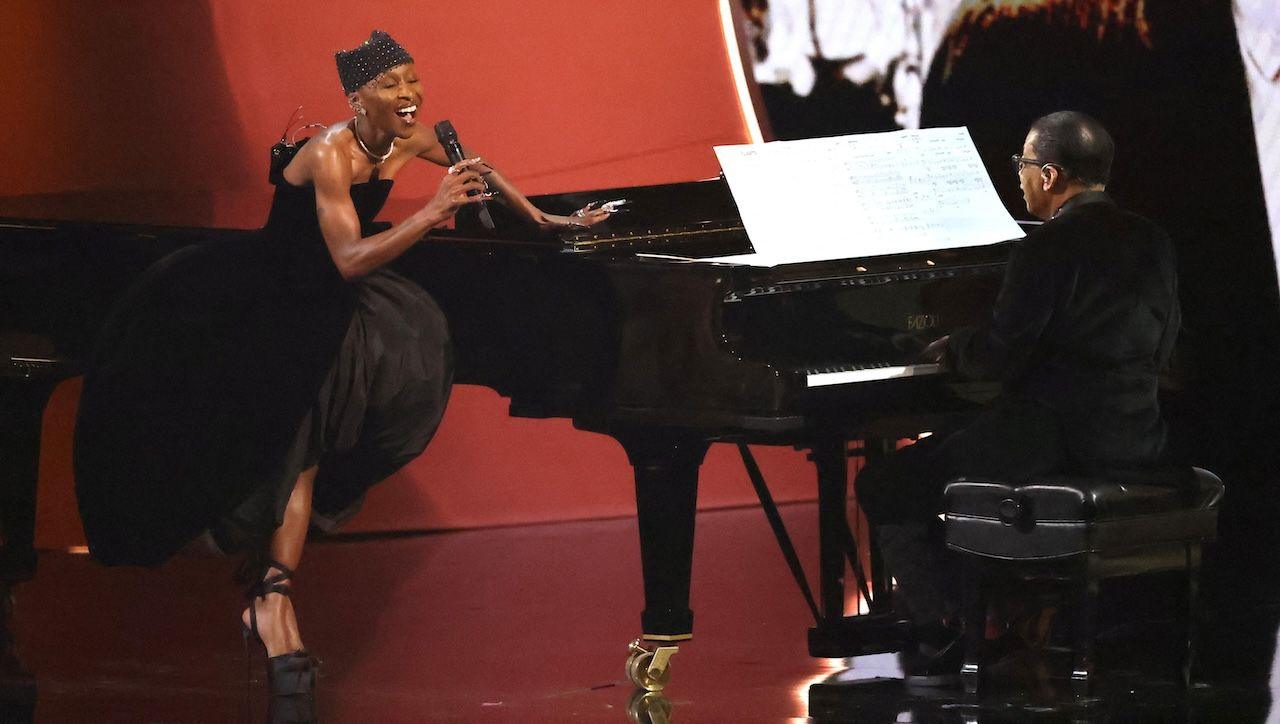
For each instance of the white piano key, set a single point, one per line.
(871, 374)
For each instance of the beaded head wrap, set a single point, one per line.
(369, 60)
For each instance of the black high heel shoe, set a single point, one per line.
(290, 674)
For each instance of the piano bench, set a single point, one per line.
(1078, 529)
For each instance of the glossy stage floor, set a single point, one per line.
(531, 624)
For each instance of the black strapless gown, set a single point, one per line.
(228, 369)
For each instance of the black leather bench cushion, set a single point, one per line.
(1063, 515)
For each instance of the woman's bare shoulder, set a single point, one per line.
(324, 154)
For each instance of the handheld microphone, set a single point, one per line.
(449, 140)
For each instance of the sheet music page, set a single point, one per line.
(863, 195)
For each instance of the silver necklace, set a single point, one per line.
(356, 131)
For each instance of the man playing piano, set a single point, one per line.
(1084, 322)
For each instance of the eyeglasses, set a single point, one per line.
(1020, 162)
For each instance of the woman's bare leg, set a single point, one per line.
(277, 624)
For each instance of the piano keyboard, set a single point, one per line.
(868, 373)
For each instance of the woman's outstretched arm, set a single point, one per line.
(508, 194)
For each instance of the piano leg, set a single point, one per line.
(666, 470)
(17, 685)
(875, 449)
(831, 461)
(22, 403)
(837, 635)
(10, 666)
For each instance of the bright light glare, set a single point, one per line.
(748, 108)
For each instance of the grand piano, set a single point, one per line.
(618, 328)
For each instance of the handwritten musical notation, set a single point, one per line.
(863, 195)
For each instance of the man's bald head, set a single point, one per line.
(1077, 142)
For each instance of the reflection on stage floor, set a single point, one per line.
(531, 624)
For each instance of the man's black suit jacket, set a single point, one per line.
(1085, 321)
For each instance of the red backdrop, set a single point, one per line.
(161, 111)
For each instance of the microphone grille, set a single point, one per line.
(445, 132)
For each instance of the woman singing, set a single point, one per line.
(244, 391)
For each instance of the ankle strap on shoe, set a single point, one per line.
(269, 584)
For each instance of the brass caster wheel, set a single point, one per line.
(649, 707)
(650, 670)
